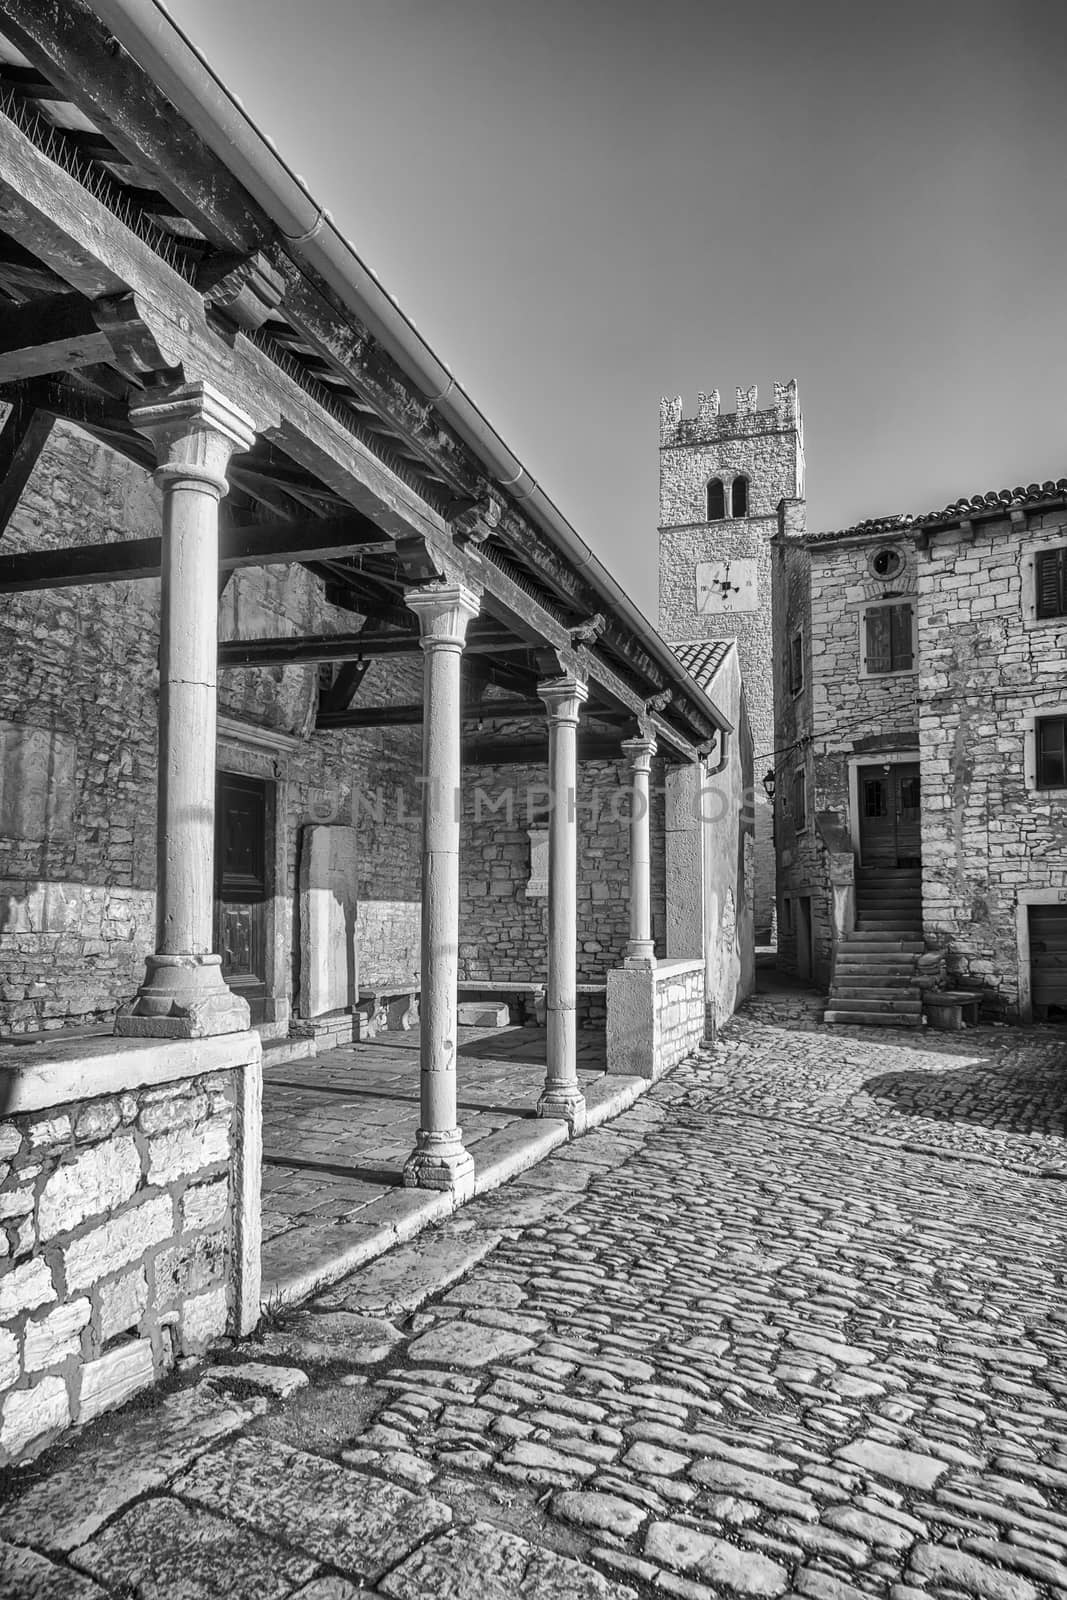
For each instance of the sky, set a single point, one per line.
(587, 204)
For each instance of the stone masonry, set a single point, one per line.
(116, 1230)
(767, 449)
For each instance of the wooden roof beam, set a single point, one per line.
(338, 647)
(24, 436)
(54, 335)
(253, 546)
(411, 715)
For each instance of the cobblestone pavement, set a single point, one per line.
(795, 1325)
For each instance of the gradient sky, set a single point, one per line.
(587, 204)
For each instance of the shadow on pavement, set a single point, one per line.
(990, 1095)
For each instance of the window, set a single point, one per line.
(739, 498)
(716, 500)
(886, 563)
(889, 638)
(1051, 752)
(800, 801)
(796, 663)
(1050, 582)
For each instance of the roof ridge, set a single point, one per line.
(957, 510)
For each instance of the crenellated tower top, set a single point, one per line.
(711, 423)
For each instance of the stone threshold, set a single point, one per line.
(320, 1257)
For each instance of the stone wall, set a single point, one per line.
(767, 448)
(679, 1002)
(126, 1220)
(503, 930)
(989, 837)
(78, 709)
(656, 1016)
(77, 674)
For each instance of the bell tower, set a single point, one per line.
(725, 480)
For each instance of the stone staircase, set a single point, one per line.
(874, 980)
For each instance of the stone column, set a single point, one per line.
(562, 1095)
(640, 950)
(195, 430)
(439, 1160)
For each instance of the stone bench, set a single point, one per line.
(391, 1006)
(951, 1009)
(531, 991)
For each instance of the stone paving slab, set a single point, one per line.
(338, 1128)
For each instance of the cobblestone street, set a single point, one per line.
(794, 1325)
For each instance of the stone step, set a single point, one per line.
(871, 1019)
(882, 938)
(900, 1007)
(893, 966)
(863, 989)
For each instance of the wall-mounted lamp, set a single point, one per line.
(768, 783)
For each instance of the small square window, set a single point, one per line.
(1051, 752)
(1050, 582)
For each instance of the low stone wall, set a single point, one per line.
(656, 1016)
(129, 1220)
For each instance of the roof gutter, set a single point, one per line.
(147, 30)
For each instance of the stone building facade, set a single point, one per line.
(726, 479)
(921, 673)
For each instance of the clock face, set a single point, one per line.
(727, 586)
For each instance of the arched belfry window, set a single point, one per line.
(716, 500)
(739, 498)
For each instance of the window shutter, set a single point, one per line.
(1050, 582)
(1052, 753)
(879, 649)
(900, 626)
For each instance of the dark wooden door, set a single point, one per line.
(1048, 962)
(890, 826)
(242, 886)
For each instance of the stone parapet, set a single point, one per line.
(656, 1016)
(129, 1219)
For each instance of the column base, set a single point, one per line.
(564, 1105)
(183, 997)
(440, 1161)
(640, 953)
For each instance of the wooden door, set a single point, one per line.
(242, 885)
(1048, 962)
(890, 815)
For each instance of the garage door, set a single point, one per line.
(1048, 962)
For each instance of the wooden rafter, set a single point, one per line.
(24, 436)
(410, 715)
(52, 335)
(71, 46)
(253, 546)
(340, 647)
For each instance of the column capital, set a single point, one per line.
(563, 697)
(444, 611)
(639, 751)
(195, 430)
